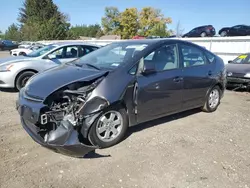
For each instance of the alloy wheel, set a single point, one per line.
(214, 98)
(109, 126)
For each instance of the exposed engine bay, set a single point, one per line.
(62, 114)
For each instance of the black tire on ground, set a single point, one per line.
(23, 78)
(203, 34)
(207, 106)
(22, 53)
(95, 140)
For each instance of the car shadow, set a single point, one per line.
(235, 89)
(8, 90)
(94, 155)
(167, 119)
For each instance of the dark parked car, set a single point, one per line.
(7, 45)
(89, 103)
(238, 72)
(238, 30)
(202, 31)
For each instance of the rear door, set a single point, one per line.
(234, 31)
(198, 72)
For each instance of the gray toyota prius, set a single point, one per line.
(89, 103)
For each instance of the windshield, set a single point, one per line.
(41, 51)
(111, 56)
(242, 59)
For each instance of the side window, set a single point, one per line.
(71, 52)
(236, 27)
(164, 58)
(248, 61)
(58, 53)
(210, 57)
(192, 56)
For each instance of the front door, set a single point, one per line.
(198, 71)
(160, 93)
(64, 54)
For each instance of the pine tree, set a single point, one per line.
(42, 20)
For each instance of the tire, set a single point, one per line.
(22, 53)
(203, 34)
(223, 34)
(98, 139)
(22, 79)
(208, 106)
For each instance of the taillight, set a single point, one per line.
(210, 28)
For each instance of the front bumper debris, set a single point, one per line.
(239, 83)
(65, 139)
(71, 146)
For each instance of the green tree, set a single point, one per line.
(42, 20)
(1, 35)
(86, 31)
(129, 24)
(153, 22)
(13, 33)
(110, 21)
(99, 33)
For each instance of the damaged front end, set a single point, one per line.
(61, 121)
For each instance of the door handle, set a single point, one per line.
(178, 79)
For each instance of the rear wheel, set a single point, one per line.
(213, 100)
(203, 34)
(109, 128)
(23, 78)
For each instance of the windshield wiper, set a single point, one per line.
(93, 66)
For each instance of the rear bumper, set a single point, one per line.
(65, 140)
(211, 33)
(7, 80)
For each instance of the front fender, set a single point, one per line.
(94, 105)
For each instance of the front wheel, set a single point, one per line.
(22, 79)
(213, 100)
(109, 128)
(223, 34)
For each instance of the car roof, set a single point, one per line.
(152, 41)
(73, 43)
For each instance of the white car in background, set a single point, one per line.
(24, 51)
(26, 44)
(16, 71)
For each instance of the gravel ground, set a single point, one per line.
(191, 149)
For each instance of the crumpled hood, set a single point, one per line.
(238, 68)
(45, 83)
(14, 59)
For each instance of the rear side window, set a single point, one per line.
(192, 56)
(210, 57)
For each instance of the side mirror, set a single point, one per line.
(230, 61)
(148, 68)
(51, 56)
